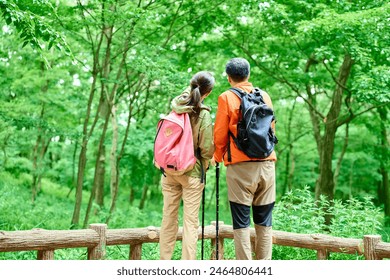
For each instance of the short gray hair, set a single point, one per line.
(238, 69)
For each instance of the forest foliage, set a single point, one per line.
(84, 82)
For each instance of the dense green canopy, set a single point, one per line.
(83, 84)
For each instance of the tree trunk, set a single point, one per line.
(105, 109)
(325, 185)
(350, 181)
(100, 176)
(80, 180)
(74, 182)
(114, 158)
(384, 158)
(143, 197)
(44, 148)
(4, 149)
(341, 157)
(291, 170)
(114, 163)
(83, 153)
(131, 195)
(106, 33)
(35, 168)
(289, 156)
(99, 169)
(95, 49)
(36, 159)
(386, 187)
(104, 112)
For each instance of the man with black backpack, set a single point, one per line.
(244, 138)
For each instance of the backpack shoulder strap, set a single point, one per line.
(259, 92)
(239, 92)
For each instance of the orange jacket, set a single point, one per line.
(226, 119)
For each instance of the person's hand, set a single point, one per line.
(213, 162)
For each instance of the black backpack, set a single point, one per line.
(255, 136)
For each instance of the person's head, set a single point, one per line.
(202, 83)
(238, 69)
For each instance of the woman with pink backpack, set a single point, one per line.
(189, 185)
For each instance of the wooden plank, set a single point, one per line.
(382, 250)
(319, 242)
(46, 240)
(151, 235)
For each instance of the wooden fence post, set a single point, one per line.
(99, 251)
(370, 242)
(220, 243)
(135, 251)
(46, 255)
(322, 254)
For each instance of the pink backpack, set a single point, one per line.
(173, 145)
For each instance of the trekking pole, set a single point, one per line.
(203, 203)
(217, 210)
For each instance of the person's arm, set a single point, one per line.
(221, 129)
(206, 143)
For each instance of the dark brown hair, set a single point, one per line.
(201, 84)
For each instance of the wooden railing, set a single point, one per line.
(97, 237)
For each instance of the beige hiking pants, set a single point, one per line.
(252, 185)
(175, 189)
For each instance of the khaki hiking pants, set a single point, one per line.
(175, 189)
(252, 185)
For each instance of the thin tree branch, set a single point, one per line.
(192, 20)
(171, 25)
(280, 151)
(334, 78)
(354, 116)
(279, 78)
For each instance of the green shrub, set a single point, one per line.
(18, 165)
(299, 212)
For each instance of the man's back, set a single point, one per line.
(226, 120)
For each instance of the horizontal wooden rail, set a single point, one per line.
(41, 239)
(382, 250)
(97, 237)
(319, 242)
